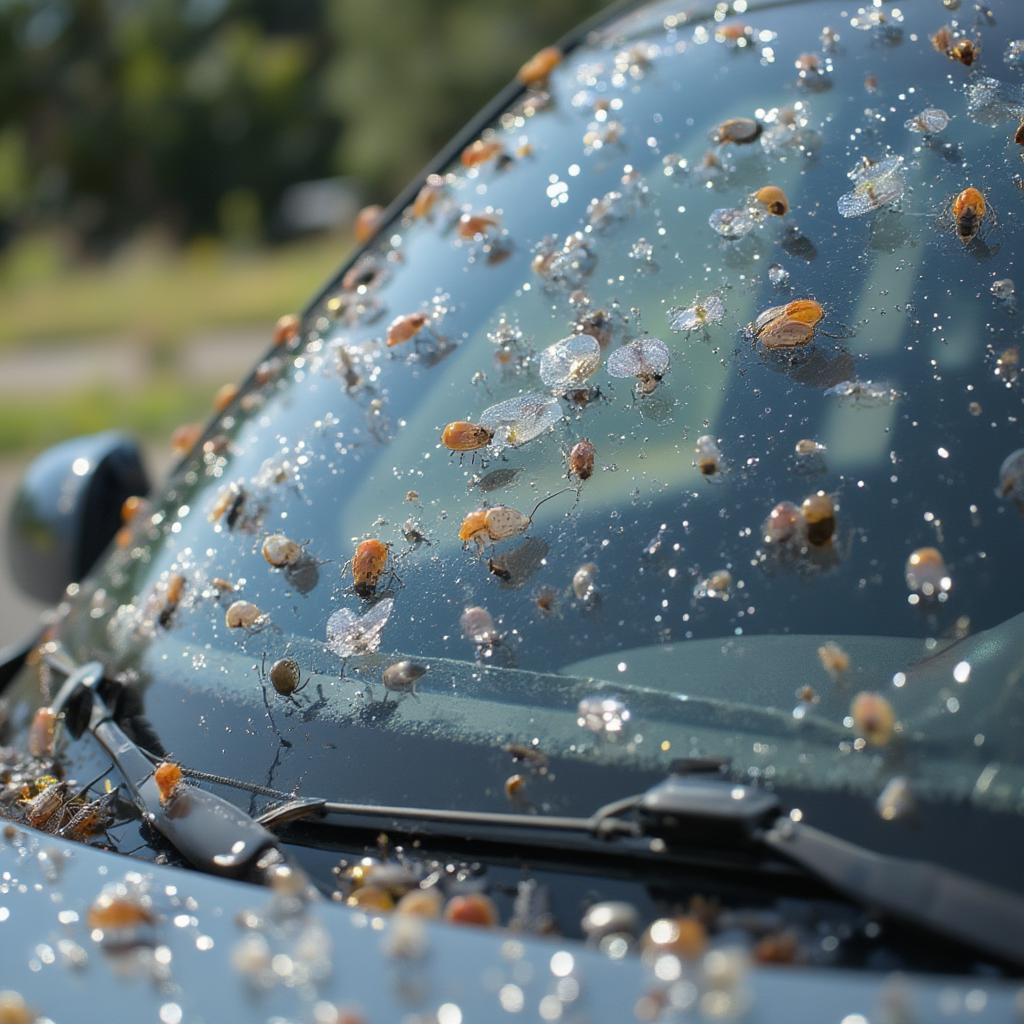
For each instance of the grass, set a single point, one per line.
(157, 298)
(154, 295)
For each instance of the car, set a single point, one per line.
(601, 603)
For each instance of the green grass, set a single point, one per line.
(156, 296)
(33, 423)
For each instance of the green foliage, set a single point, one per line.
(196, 114)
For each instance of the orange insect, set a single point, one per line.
(367, 221)
(368, 565)
(476, 225)
(581, 460)
(788, 326)
(463, 436)
(535, 72)
(168, 778)
(820, 517)
(185, 438)
(773, 199)
(427, 197)
(499, 522)
(286, 329)
(969, 209)
(480, 152)
(405, 328)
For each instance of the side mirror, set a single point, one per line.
(67, 509)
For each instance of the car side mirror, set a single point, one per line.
(67, 509)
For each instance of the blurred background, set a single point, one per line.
(175, 174)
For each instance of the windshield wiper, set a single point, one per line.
(698, 810)
(210, 833)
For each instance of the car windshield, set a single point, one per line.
(737, 250)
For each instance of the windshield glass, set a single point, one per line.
(740, 256)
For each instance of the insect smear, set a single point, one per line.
(645, 359)
(865, 393)
(350, 634)
(875, 185)
(569, 363)
(698, 316)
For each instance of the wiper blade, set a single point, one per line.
(697, 811)
(209, 832)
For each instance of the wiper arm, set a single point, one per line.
(209, 832)
(695, 810)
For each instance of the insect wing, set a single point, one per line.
(569, 362)
(519, 420)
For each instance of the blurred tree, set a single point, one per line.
(195, 115)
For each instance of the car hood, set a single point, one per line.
(219, 950)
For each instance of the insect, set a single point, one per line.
(427, 197)
(926, 572)
(228, 505)
(477, 625)
(46, 805)
(646, 359)
(405, 328)
(285, 676)
(964, 50)
(535, 72)
(480, 151)
(280, 551)
(875, 185)
(499, 522)
(172, 598)
(708, 455)
(402, 676)
(286, 329)
(545, 600)
(772, 199)
(969, 210)
(737, 130)
(785, 522)
(350, 634)
(93, 817)
(516, 421)
(1011, 480)
(367, 221)
(1018, 135)
(717, 585)
(820, 516)
(929, 121)
(368, 565)
(709, 310)
(788, 326)
(168, 778)
(473, 908)
(243, 615)
(476, 225)
(834, 660)
(42, 734)
(521, 752)
(584, 582)
(118, 909)
(581, 460)
(463, 436)
(873, 718)
(185, 438)
(597, 324)
(515, 785)
(570, 362)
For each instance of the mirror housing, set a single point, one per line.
(68, 508)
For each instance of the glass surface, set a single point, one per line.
(699, 636)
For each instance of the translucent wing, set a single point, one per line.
(992, 102)
(569, 362)
(930, 121)
(349, 634)
(732, 222)
(518, 420)
(645, 356)
(877, 185)
(655, 355)
(709, 310)
(770, 314)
